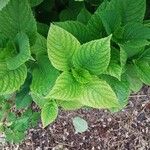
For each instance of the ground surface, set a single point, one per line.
(125, 130)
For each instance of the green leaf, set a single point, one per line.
(143, 70)
(98, 94)
(61, 47)
(40, 45)
(130, 10)
(93, 56)
(82, 76)
(80, 125)
(121, 89)
(95, 24)
(23, 100)
(77, 29)
(114, 69)
(43, 76)
(134, 47)
(49, 113)
(22, 43)
(66, 88)
(16, 18)
(35, 2)
(111, 20)
(136, 31)
(3, 3)
(84, 16)
(133, 79)
(11, 80)
(14, 136)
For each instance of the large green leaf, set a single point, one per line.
(49, 113)
(77, 29)
(65, 88)
(3, 3)
(96, 93)
(93, 56)
(61, 47)
(22, 43)
(44, 76)
(11, 80)
(130, 10)
(15, 17)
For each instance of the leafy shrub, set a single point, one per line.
(94, 54)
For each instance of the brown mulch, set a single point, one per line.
(128, 129)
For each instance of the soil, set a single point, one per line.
(128, 129)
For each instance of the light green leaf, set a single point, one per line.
(80, 125)
(61, 47)
(11, 80)
(77, 29)
(16, 18)
(22, 43)
(93, 56)
(49, 113)
(3, 3)
(133, 79)
(143, 70)
(81, 75)
(98, 94)
(65, 88)
(43, 76)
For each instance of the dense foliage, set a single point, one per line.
(69, 54)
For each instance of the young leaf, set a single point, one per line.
(61, 47)
(49, 113)
(44, 76)
(22, 43)
(65, 88)
(80, 125)
(16, 18)
(81, 75)
(35, 2)
(93, 56)
(11, 80)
